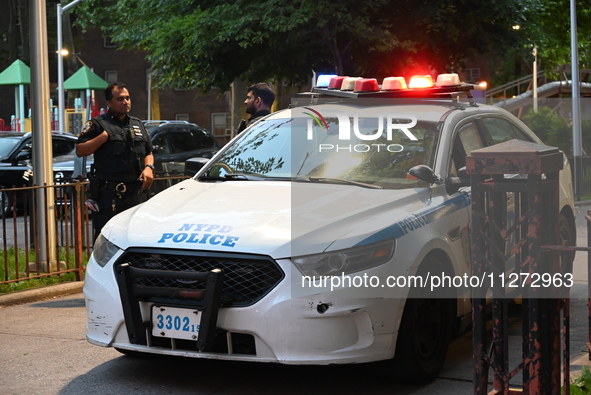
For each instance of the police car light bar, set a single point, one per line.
(421, 86)
(324, 79)
(420, 81)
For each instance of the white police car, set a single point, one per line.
(302, 240)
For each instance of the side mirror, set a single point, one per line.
(23, 155)
(193, 165)
(424, 173)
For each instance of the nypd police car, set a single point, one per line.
(307, 238)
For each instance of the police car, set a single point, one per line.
(306, 239)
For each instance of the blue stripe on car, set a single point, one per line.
(416, 221)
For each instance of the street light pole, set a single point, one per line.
(535, 78)
(60, 64)
(577, 134)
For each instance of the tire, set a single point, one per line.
(5, 204)
(426, 330)
(566, 236)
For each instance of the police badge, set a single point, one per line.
(86, 127)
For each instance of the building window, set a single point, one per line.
(111, 76)
(182, 117)
(472, 75)
(109, 43)
(221, 123)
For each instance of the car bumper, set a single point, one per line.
(324, 328)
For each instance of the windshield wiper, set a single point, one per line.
(225, 177)
(325, 180)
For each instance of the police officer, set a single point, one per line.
(259, 100)
(123, 160)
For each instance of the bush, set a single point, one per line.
(556, 131)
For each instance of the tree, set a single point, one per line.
(198, 43)
(201, 43)
(546, 25)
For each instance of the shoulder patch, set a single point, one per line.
(86, 127)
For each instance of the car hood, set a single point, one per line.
(275, 218)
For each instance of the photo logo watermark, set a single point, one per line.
(346, 124)
(318, 118)
(349, 129)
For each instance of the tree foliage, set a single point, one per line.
(547, 25)
(198, 43)
(556, 131)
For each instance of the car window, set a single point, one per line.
(161, 144)
(189, 140)
(202, 139)
(283, 148)
(467, 140)
(7, 144)
(62, 146)
(501, 130)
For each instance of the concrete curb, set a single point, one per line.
(32, 295)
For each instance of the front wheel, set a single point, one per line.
(423, 339)
(426, 329)
(5, 204)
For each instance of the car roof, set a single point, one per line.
(426, 110)
(152, 125)
(11, 134)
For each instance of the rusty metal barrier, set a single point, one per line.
(73, 224)
(514, 216)
(20, 235)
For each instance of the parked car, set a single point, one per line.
(176, 141)
(307, 239)
(16, 169)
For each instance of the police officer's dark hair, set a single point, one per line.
(111, 86)
(264, 91)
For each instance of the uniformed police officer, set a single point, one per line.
(123, 159)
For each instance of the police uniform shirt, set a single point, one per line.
(121, 157)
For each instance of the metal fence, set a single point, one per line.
(581, 169)
(73, 240)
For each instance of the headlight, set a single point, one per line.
(346, 261)
(103, 250)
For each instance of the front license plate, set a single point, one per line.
(175, 323)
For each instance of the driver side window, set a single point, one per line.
(162, 144)
(467, 140)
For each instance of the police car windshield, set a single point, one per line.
(295, 148)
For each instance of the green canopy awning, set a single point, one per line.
(18, 73)
(84, 78)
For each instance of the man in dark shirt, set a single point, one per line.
(259, 99)
(123, 159)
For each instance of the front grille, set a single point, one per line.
(247, 278)
(236, 343)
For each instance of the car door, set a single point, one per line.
(467, 138)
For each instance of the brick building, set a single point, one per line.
(210, 110)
